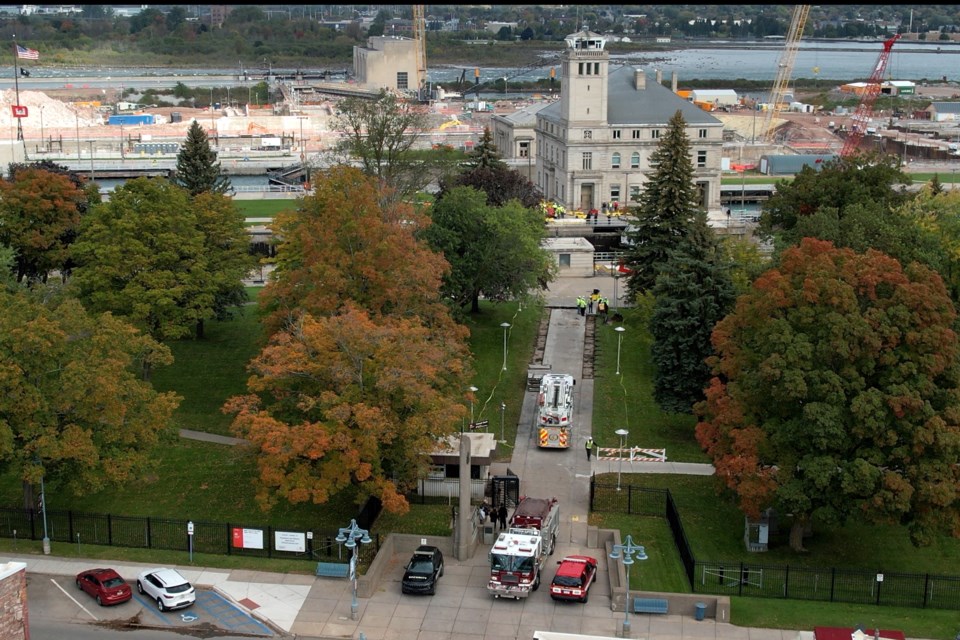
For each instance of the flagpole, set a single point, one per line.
(16, 84)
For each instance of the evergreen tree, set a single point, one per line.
(197, 168)
(693, 293)
(665, 208)
(485, 171)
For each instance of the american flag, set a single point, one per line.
(27, 54)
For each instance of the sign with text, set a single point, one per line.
(289, 541)
(19, 111)
(247, 538)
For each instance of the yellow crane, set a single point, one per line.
(785, 68)
(420, 39)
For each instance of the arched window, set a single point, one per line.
(615, 161)
(635, 160)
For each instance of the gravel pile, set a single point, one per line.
(56, 114)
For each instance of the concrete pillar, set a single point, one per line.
(465, 544)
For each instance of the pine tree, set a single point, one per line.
(666, 208)
(197, 168)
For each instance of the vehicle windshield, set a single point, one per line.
(111, 583)
(567, 581)
(501, 562)
(420, 566)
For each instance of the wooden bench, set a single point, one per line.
(649, 605)
(333, 569)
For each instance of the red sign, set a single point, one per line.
(19, 111)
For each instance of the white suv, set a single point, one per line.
(170, 589)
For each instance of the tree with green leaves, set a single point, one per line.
(197, 168)
(665, 209)
(486, 171)
(72, 410)
(142, 255)
(836, 394)
(493, 251)
(381, 135)
(693, 292)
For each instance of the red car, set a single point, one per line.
(105, 585)
(574, 577)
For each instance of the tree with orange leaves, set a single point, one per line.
(364, 372)
(837, 394)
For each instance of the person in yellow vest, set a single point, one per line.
(589, 446)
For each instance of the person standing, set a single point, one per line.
(581, 305)
(590, 305)
(502, 516)
(589, 446)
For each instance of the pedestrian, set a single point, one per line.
(482, 513)
(602, 309)
(589, 446)
(581, 305)
(502, 516)
(590, 305)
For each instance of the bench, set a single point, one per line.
(649, 605)
(333, 569)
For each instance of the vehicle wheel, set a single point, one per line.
(160, 604)
(441, 571)
(79, 586)
(586, 594)
(536, 583)
(433, 589)
(99, 602)
(139, 587)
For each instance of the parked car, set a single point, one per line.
(422, 572)
(170, 589)
(105, 585)
(573, 579)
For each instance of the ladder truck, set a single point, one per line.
(555, 411)
(518, 555)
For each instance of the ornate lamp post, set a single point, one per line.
(472, 390)
(505, 326)
(623, 433)
(619, 331)
(348, 536)
(624, 553)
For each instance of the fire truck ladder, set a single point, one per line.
(861, 117)
(785, 68)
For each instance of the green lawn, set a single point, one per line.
(264, 208)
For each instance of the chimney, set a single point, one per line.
(673, 82)
(659, 76)
(640, 79)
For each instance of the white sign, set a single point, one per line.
(289, 541)
(879, 577)
(190, 528)
(247, 538)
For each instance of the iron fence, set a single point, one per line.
(170, 534)
(826, 584)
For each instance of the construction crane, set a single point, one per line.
(420, 41)
(861, 117)
(785, 68)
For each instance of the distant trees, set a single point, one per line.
(836, 394)
(197, 168)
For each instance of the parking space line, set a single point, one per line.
(74, 600)
(225, 612)
(151, 606)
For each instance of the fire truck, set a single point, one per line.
(517, 557)
(555, 411)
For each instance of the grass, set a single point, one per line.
(263, 208)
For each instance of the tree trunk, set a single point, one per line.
(475, 304)
(796, 534)
(28, 499)
(200, 329)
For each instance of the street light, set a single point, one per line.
(624, 553)
(623, 433)
(505, 326)
(616, 297)
(348, 536)
(619, 331)
(503, 408)
(473, 390)
(43, 508)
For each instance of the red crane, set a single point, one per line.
(865, 109)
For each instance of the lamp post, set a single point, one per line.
(76, 115)
(42, 136)
(503, 408)
(348, 536)
(616, 297)
(624, 552)
(473, 390)
(505, 326)
(619, 331)
(43, 508)
(623, 433)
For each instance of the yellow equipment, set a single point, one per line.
(785, 68)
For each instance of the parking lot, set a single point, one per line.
(57, 598)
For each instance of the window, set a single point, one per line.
(402, 80)
(614, 193)
(701, 159)
(564, 259)
(524, 149)
(580, 68)
(616, 134)
(636, 134)
(702, 133)
(596, 68)
(635, 160)
(587, 134)
(634, 193)
(615, 161)
(655, 133)
(587, 160)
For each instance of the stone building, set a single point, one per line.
(594, 144)
(387, 62)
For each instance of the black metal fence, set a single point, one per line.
(221, 538)
(853, 586)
